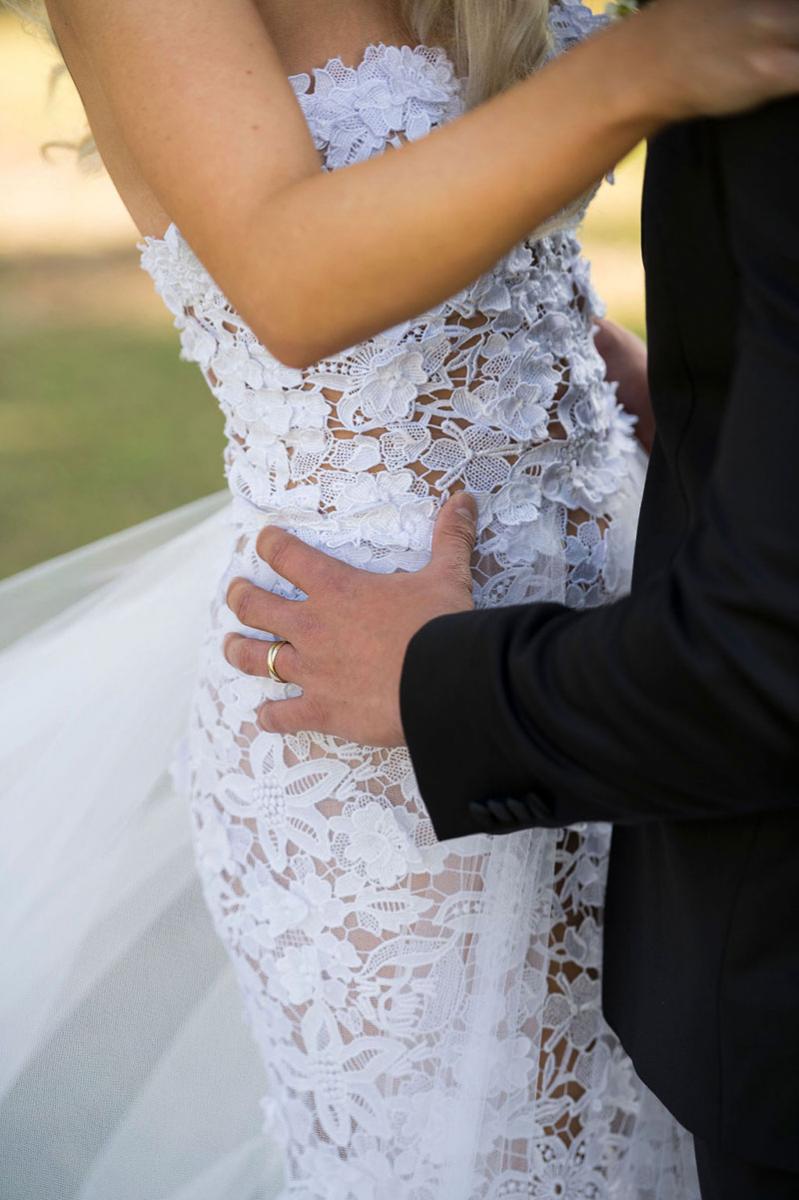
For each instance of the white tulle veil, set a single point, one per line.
(126, 1071)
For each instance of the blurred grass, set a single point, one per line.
(101, 424)
(98, 430)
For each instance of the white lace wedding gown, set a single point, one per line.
(428, 1014)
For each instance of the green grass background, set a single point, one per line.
(98, 430)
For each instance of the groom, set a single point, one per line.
(673, 713)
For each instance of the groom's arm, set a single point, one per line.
(681, 700)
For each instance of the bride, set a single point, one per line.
(348, 209)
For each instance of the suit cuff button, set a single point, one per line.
(489, 815)
(500, 811)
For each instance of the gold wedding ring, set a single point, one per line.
(272, 654)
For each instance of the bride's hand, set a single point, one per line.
(625, 356)
(713, 57)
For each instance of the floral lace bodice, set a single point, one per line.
(499, 389)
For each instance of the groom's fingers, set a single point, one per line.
(263, 610)
(308, 569)
(292, 716)
(249, 655)
(454, 538)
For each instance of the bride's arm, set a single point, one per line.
(200, 98)
(625, 356)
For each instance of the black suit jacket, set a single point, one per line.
(674, 712)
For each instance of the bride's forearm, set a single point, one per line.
(342, 255)
(433, 215)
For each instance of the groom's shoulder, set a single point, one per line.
(758, 160)
(764, 130)
(752, 156)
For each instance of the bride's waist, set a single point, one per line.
(526, 546)
(517, 527)
(396, 503)
(395, 530)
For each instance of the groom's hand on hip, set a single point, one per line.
(346, 642)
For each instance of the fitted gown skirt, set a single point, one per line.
(428, 1013)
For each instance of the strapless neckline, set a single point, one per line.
(374, 50)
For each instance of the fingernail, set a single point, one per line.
(262, 720)
(464, 503)
(259, 549)
(230, 587)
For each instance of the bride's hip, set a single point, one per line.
(575, 550)
(530, 549)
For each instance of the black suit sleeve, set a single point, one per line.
(680, 701)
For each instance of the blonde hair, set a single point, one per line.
(34, 17)
(492, 45)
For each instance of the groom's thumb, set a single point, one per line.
(454, 537)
